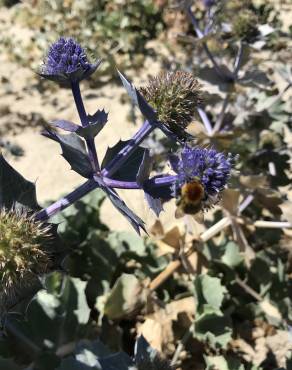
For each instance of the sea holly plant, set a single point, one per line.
(168, 103)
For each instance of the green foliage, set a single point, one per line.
(211, 325)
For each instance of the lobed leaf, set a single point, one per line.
(128, 172)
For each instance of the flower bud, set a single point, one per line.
(175, 96)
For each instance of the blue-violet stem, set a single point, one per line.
(66, 201)
(156, 182)
(200, 35)
(128, 150)
(84, 122)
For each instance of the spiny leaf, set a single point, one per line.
(129, 170)
(125, 297)
(15, 189)
(96, 123)
(73, 151)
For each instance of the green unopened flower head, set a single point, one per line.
(245, 24)
(175, 96)
(22, 253)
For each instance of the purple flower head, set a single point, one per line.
(67, 61)
(207, 166)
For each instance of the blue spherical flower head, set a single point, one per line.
(206, 167)
(67, 62)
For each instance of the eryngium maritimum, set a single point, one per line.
(22, 253)
(67, 61)
(207, 166)
(175, 96)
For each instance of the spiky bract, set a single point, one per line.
(175, 96)
(22, 253)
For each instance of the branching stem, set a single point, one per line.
(128, 150)
(66, 201)
(200, 35)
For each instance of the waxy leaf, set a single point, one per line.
(65, 125)
(73, 151)
(214, 328)
(138, 100)
(15, 190)
(96, 124)
(255, 78)
(209, 291)
(128, 172)
(126, 296)
(57, 317)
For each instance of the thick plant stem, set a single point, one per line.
(84, 122)
(128, 150)
(65, 202)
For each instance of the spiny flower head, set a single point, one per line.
(22, 253)
(67, 61)
(203, 166)
(175, 96)
(245, 24)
